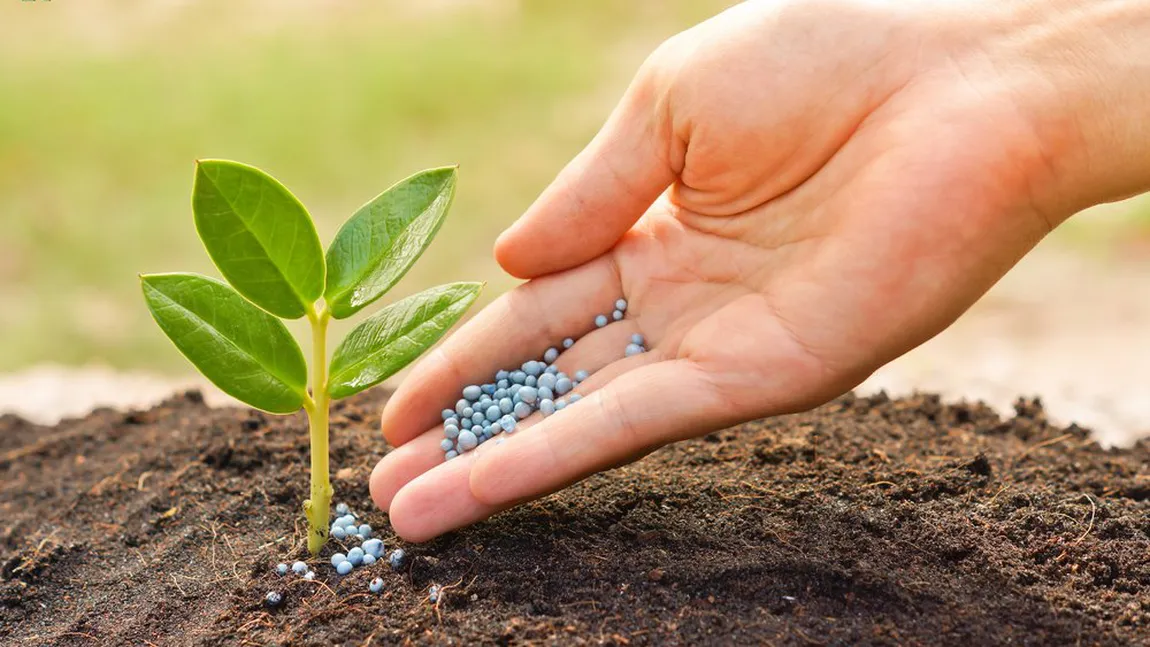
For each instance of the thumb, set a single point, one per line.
(600, 194)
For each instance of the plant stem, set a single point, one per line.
(316, 509)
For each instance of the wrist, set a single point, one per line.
(1085, 88)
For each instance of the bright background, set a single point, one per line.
(104, 105)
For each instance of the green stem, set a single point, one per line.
(317, 508)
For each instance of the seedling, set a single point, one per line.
(264, 242)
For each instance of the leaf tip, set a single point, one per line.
(449, 172)
(199, 171)
(203, 164)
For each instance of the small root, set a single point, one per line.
(1093, 511)
(1045, 443)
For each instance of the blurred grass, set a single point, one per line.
(1119, 230)
(104, 106)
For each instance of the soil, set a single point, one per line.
(866, 521)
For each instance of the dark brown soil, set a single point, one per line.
(867, 521)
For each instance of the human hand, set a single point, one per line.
(845, 178)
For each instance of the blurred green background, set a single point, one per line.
(105, 104)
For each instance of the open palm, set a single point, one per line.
(782, 221)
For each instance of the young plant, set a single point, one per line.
(264, 242)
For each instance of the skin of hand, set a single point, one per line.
(789, 196)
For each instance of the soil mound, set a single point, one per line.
(866, 521)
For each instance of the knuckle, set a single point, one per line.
(619, 419)
(663, 68)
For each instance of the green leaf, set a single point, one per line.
(396, 335)
(382, 240)
(259, 235)
(243, 350)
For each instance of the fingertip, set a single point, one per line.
(508, 253)
(594, 200)
(383, 425)
(438, 502)
(435, 503)
(405, 518)
(402, 465)
(380, 495)
(412, 409)
(391, 431)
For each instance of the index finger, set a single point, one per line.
(630, 416)
(516, 327)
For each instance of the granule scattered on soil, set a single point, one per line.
(866, 521)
